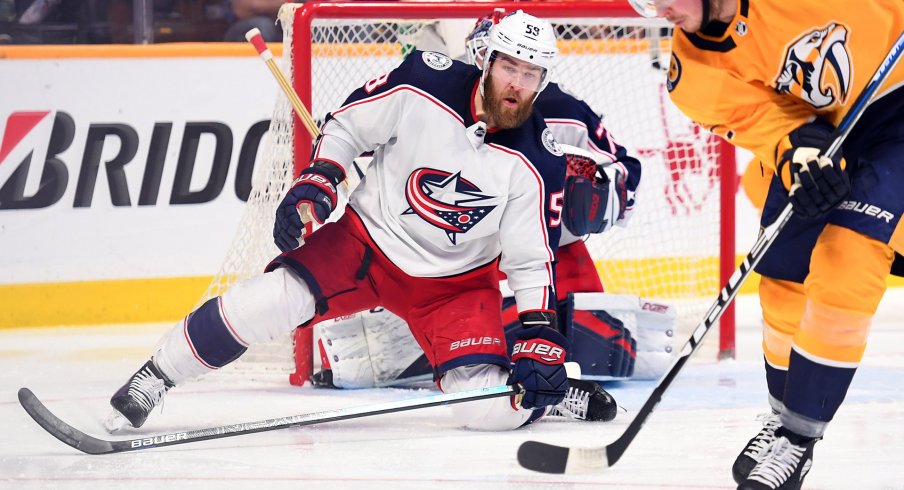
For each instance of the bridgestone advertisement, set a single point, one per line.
(126, 168)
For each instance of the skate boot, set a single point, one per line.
(755, 449)
(323, 379)
(784, 464)
(585, 400)
(133, 402)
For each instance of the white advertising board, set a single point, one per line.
(124, 168)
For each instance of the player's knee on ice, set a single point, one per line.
(491, 414)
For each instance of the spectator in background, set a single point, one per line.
(53, 22)
(254, 13)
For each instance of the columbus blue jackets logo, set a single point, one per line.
(817, 67)
(446, 201)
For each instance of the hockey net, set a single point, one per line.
(678, 247)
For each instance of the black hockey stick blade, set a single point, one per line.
(542, 457)
(59, 429)
(549, 458)
(91, 445)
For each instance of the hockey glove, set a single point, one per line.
(316, 187)
(593, 205)
(538, 361)
(816, 183)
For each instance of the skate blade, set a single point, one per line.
(115, 421)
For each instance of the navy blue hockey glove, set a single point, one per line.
(816, 183)
(316, 187)
(538, 361)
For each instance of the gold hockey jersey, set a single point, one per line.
(779, 63)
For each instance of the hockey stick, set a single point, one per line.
(549, 458)
(92, 445)
(257, 40)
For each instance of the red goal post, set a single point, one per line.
(679, 246)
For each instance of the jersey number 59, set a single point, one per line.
(555, 208)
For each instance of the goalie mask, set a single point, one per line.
(526, 38)
(646, 8)
(476, 43)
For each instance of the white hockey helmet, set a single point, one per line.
(646, 8)
(524, 37)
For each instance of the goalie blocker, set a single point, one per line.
(614, 337)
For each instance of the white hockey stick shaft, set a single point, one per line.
(93, 445)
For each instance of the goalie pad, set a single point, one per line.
(651, 326)
(602, 346)
(376, 349)
(371, 349)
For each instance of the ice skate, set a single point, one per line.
(133, 402)
(585, 400)
(755, 449)
(323, 379)
(784, 464)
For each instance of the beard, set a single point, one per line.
(505, 117)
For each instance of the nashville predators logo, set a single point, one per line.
(674, 73)
(817, 67)
(446, 201)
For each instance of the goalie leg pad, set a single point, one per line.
(396, 357)
(649, 327)
(345, 348)
(372, 349)
(603, 347)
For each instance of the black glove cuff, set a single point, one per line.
(330, 170)
(538, 318)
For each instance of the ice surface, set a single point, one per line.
(689, 442)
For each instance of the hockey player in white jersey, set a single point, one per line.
(465, 179)
(376, 350)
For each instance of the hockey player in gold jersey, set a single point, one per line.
(774, 77)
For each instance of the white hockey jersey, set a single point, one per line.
(443, 195)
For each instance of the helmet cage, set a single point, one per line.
(476, 43)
